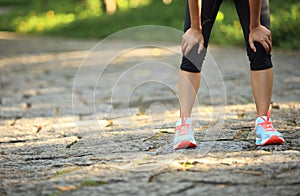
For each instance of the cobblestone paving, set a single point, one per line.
(46, 150)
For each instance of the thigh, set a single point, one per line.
(209, 11)
(243, 10)
(261, 59)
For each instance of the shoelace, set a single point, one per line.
(267, 124)
(183, 128)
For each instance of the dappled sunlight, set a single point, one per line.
(44, 58)
(220, 17)
(37, 22)
(243, 163)
(41, 23)
(129, 4)
(58, 140)
(100, 18)
(7, 36)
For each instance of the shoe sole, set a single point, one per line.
(185, 144)
(272, 140)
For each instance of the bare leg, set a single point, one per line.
(262, 82)
(188, 85)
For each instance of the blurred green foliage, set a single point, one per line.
(285, 26)
(88, 19)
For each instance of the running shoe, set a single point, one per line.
(265, 132)
(184, 135)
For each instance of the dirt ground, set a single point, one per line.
(107, 129)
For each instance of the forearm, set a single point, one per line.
(255, 9)
(195, 14)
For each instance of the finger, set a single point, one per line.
(200, 48)
(269, 42)
(183, 40)
(183, 47)
(252, 46)
(270, 37)
(184, 51)
(188, 49)
(265, 45)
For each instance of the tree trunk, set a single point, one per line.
(110, 6)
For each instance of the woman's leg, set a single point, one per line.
(261, 75)
(262, 82)
(189, 75)
(188, 85)
(260, 61)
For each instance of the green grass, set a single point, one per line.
(92, 183)
(227, 28)
(56, 193)
(285, 19)
(87, 19)
(13, 2)
(59, 173)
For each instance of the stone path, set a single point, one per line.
(121, 144)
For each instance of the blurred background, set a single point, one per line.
(94, 19)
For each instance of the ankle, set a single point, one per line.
(185, 115)
(263, 113)
(184, 120)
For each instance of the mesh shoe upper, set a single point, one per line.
(184, 135)
(265, 132)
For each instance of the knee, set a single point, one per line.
(187, 65)
(193, 61)
(259, 60)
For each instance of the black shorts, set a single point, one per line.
(259, 60)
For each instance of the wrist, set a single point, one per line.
(196, 27)
(254, 25)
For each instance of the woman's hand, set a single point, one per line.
(262, 35)
(190, 38)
